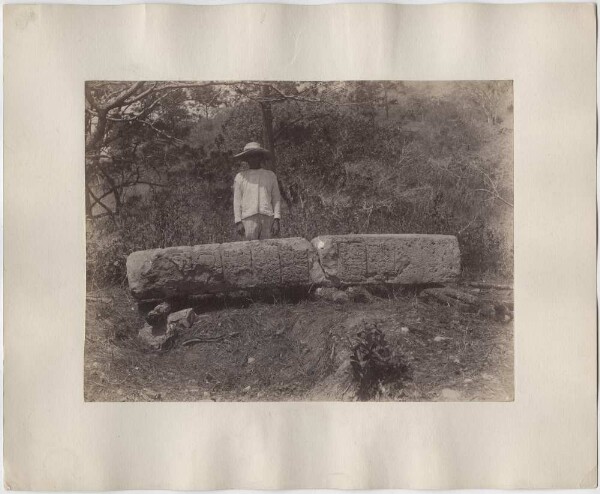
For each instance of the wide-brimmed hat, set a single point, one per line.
(253, 149)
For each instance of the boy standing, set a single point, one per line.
(256, 199)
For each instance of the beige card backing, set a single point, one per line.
(545, 438)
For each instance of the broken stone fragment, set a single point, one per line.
(332, 294)
(359, 294)
(158, 315)
(180, 320)
(155, 339)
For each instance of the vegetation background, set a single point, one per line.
(351, 157)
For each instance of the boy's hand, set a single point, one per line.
(275, 227)
(239, 228)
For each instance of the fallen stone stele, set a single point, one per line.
(403, 259)
(161, 274)
(329, 260)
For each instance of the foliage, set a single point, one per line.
(373, 362)
(354, 157)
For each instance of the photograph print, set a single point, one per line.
(299, 241)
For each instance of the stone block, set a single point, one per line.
(180, 320)
(155, 339)
(393, 259)
(265, 263)
(330, 260)
(179, 272)
(158, 315)
(237, 264)
(160, 274)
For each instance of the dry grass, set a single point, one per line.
(295, 350)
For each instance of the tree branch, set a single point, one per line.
(144, 112)
(98, 201)
(188, 85)
(120, 99)
(149, 124)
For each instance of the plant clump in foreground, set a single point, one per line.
(374, 363)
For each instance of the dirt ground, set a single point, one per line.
(295, 349)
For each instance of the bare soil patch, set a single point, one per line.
(294, 350)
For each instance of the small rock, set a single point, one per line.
(437, 339)
(404, 329)
(206, 395)
(180, 320)
(159, 314)
(246, 389)
(456, 360)
(251, 360)
(450, 394)
(341, 297)
(358, 294)
(468, 380)
(154, 340)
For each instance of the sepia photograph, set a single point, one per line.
(299, 241)
(337, 246)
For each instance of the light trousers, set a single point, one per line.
(257, 227)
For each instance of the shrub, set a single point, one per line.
(374, 363)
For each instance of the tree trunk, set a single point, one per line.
(88, 205)
(114, 188)
(269, 140)
(267, 117)
(98, 130)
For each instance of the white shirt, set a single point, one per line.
(255, 192)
